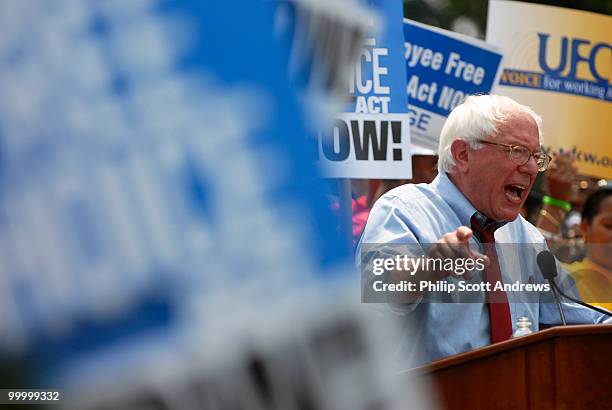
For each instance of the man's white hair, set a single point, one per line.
(479, 117)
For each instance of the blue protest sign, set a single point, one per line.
(442, 68)
(370, 138)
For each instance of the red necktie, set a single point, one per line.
(497, 301)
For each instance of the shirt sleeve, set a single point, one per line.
(388, 232)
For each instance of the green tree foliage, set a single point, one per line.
(442, 13)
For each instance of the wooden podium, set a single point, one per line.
(559, 368)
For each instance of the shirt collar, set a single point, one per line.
(460, 204)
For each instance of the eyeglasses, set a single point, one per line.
(521, 155)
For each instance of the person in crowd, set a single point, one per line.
(557, 206)
(593, 274)
(559, 217)
(489, 156)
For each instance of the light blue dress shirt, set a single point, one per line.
(422, 214)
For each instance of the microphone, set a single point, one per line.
(548, 266)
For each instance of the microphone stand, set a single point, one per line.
(581, 303)
(548, 267)
(556, 292)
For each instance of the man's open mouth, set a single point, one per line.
(514, 192)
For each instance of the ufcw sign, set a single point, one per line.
(568, 65)
(573, 53)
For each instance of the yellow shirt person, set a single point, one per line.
(594, 282)
(594, 274)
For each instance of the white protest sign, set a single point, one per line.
(366, 146)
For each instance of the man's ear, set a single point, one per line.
(459, 151)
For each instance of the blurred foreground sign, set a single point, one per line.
(149, 179)
(443, 67)
(559, 62)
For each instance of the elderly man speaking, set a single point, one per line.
(489, 156)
